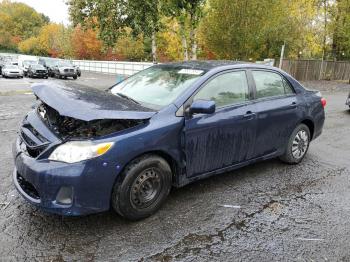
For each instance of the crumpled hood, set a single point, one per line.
(88, 104)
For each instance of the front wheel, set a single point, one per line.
(145, 186)
(298, 145)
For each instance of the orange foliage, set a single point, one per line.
(85, 44)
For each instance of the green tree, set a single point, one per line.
(18, 22)
(340, 28)
(188, 14)
(257, 29)
(112, 17)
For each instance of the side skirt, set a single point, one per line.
(184, 180)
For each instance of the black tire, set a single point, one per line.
(289, 155)
(149, 172)
(75, 77)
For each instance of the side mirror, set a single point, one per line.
(202, 107)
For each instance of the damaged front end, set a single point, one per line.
(68, 127)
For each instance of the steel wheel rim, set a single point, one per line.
(145, 189)
(300, 144)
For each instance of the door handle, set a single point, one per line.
(293, 105)
(249, 115)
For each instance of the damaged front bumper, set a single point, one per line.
(57, 187)
(61, 188)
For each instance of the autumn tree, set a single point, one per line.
(18, 22)
(85, 44)
(188, 14)
(112, 17)
(170, 41)
(52, 40)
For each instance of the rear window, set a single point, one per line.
(269, 84)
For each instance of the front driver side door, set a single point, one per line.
(226, 137)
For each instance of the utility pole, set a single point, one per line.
(282, 54)
(324, 38)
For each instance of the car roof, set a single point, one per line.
(204, 64)
(208, 65)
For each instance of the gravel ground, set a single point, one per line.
(265, 212)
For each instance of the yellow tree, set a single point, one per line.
(18, 22)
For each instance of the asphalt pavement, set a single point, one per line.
(265, 212)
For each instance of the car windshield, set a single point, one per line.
(38, 67)
(28, 62)
(50, 62)
(157, 86)
(64, 63)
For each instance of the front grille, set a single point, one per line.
(35, 143)
(14, 72)
(27, 187)
(27, 140)
(71, 70)
(40, 71)
(66, 70)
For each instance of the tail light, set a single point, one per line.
(323, 102)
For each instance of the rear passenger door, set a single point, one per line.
(276, 108)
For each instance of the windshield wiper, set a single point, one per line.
(128, 98)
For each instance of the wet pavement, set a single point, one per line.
(265, 212)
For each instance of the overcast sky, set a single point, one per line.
(57, 10)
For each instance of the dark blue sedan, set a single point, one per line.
(83, 151)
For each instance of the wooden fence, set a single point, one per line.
(305, 70)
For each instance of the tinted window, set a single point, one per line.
(226, 89)
(270, 84)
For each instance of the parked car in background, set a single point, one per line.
(7, 60)
(25, 66)
(77, 68)
(12, 71)
(2, 64)
(64, 69)
(24, 61)
(83, 151)
(49, 64)
(37, 70)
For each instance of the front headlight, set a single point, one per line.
(76, 151)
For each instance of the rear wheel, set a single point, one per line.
(146, 184)
(298, 145)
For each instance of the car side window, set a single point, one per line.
(226, 89)
(287, 88)
(269, 84)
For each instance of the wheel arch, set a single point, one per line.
(171, 160)
(311, 125)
